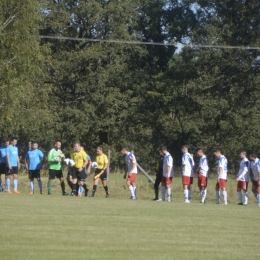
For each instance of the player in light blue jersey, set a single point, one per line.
(33, 164)
(3, 160)
(13, 165)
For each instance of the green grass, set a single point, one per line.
(56, 227)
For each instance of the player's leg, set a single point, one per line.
(163, 189)
(186, 183)
(156, 186)
(69, 177)
(80, 189)
(8, 175)
(94, 189)
(62, 183)
(245, 193)
(239, 193)
(15, 176)
(169, 189)
(104, 182)
(52, 175)
(258, 195)
(217, 193)
(224, 192)
(38, 177)
(74, 182)
(189, 188)
(1, 187)
(31, 178)
(130, 187)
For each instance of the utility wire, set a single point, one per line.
(150, 43)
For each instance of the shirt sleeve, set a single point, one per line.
(184, 159)
(221, 163)
(169, 160)
(105, 159)
(41, 155)
(132, 157)
(27, 155)
(50, 157)
(258, 166)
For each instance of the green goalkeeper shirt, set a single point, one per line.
(53, 164)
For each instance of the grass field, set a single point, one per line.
(56, 227)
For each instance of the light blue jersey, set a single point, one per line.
(34, 157)
(3, 154)
(12, 152)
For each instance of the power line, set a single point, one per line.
(150, 43)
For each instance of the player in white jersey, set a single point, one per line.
(187, 173)
(202, 175)
(131, 172)
(222, 176)
(167, 174)
(255, 168)
(243, 179)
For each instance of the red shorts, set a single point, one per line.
(187, 180)
(202, 181)
(242, 185)
(167, 180)
(221, 184)
(255, 183)
(132, 178)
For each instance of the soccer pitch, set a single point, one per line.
(56, 227)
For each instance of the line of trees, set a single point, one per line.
(139, 96)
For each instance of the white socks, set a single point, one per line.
(224, 196)
(203, 195)
(246, 198)
(132, 191)
(186, 194)
(169, 191)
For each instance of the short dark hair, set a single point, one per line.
(14, 138)
(163, 148)
(200, 149)
(216, 150)
(100, 147)
(5, 139)
(244, 152)
(34, 142)
(56, 141)
(253, 155)
(124, 148)
(185, 146)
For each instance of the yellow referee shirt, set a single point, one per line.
(79, 158)
(101, 161)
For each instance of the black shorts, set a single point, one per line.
(76, 174)
(103, 176)
(2, 168)
(11, 172)
(34, 174)
(55, 173)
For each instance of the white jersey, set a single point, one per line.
(243, 172)
(187, 160)
(167, 162)
(222, 163)
(255, 167)
(204, 168)
(130, 160)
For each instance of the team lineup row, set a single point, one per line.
(80, 165)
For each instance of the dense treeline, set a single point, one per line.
(138, 96)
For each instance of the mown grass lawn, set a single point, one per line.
(56, 227)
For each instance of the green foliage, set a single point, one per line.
(131, 95)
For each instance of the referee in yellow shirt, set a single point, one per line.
(77, 172)
(101, 171)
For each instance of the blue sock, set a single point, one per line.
(32, 185)
(1, 184)
(15, 184)
(40, 184)
(80, 189)
(7, 184)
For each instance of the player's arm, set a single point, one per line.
(26, 161)
(126, 171)
(245, 170)
(184, 161)
(42, 160)
(18, 162)
(50, 157)
(85, 162)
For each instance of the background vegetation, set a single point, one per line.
(138, 96)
